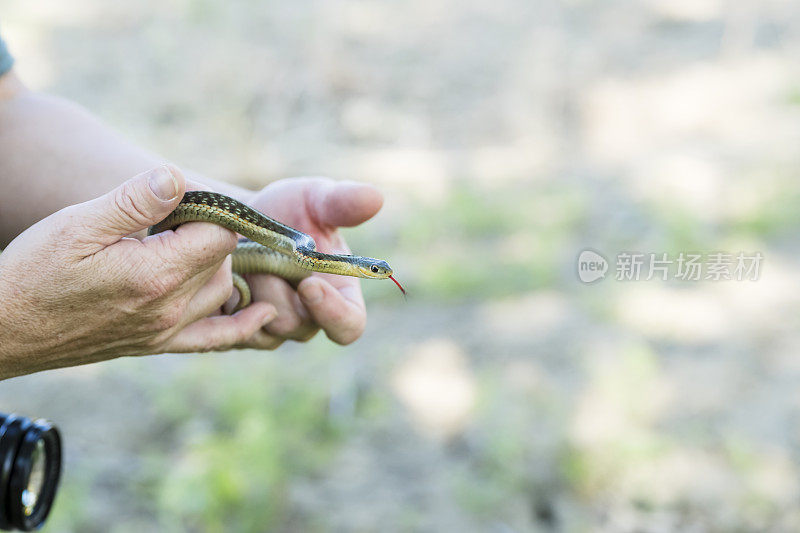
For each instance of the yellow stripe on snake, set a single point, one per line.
(272, 248)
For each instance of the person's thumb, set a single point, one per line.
(137, 204)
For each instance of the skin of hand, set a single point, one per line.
(335, 304)
(77, 289)
(39, 133)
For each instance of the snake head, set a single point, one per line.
(377, 269)
(374, 268)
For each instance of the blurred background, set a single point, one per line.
(504, 395)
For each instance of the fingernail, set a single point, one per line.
(312, 293)
(163, 183)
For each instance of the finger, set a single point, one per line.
(196, 243)
(344, 203)
(293, 321)
(205, 240)
(240, 297)
(190, 186)
(194, 246)
(140, 202)
(339, 311)
(222, 332)
(211, 293)
(232, 302)
(262, 341)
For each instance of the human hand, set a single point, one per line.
(317, 206)
(76, 289)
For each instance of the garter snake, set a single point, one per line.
(269, 247)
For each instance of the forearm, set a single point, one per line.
(54, 153)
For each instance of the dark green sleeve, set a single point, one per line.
(5, 58)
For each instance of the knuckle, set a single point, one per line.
(154, 287)
(261, 340)
(246, 332)
(155, 343)
(286, 325)
(168, 282)
(168, 318)
(154, 276)
(223, 343)
(205, 347)
(127, 206)
(271, 345)
(237, 335)
(142, 285)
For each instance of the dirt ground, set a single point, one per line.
(504, 395)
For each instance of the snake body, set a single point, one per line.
(269, 247)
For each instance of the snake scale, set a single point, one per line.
(269, 247)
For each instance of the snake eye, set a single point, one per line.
(374, 268)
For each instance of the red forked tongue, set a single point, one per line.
(398, 285)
